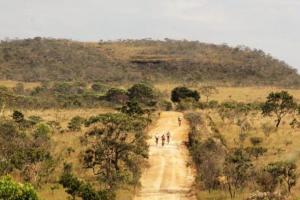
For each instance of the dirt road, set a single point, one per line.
(168, 177)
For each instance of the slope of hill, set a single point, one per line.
(41, 59)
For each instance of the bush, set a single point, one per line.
(132, 108)
(99, 87)
(42, 131)
(75, 123)
(18, 116)
(116, 95)
(165, 105)
(180, 93)
(142, 93)
(10, 190)
(35, 119)
(256, 140)
(186, 104)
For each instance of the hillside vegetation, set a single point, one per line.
(130, 61)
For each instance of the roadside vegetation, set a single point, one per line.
(246, 150)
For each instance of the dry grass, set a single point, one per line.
(241, 94)
(11, 84)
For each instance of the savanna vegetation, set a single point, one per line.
(74, 118)
(246, 150)
(129, 61)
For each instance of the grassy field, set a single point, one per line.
(240, 94)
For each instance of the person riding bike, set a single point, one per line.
(156, 139)
(163, 138)
(168, 137)
(179, 121)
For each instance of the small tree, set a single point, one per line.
(283, 173)
(207, 91)
(180, 93)
(142, 93)
(280, 104)
(237, 170)
(10, 190)
(117, 148)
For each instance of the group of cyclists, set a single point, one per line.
(166, 136)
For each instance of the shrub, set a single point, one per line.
(42, 131)
(142, 93)
(33, 120)
(18, 116)
(10, 190)
(99, 87)
(283, 173)
(132, 108)
(256, 140)
(180, 93)
(165, 105)
(186, 104)
(75, 123)
(116, 95)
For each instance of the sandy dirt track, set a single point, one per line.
(168, 177)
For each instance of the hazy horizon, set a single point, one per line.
(270, 25)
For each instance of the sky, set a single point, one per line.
(270, 25)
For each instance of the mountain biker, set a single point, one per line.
(179, 121)
(156, 139)
(168, 137)
(163, 138)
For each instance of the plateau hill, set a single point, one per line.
(127, 61)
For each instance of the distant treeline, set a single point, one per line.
(128, 61)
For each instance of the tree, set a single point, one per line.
(118, 147)
(78, 188)
(10, 190)
(280, 104)
(180, 93)
(207, 91)
(237, 169)
(142, 93)
(283, 172)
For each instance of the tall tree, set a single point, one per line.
(117, 148)
(280, 104)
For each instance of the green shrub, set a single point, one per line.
(180, 93)
(75, 123)
(42, 131)
(10, 190)
(142, 93)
